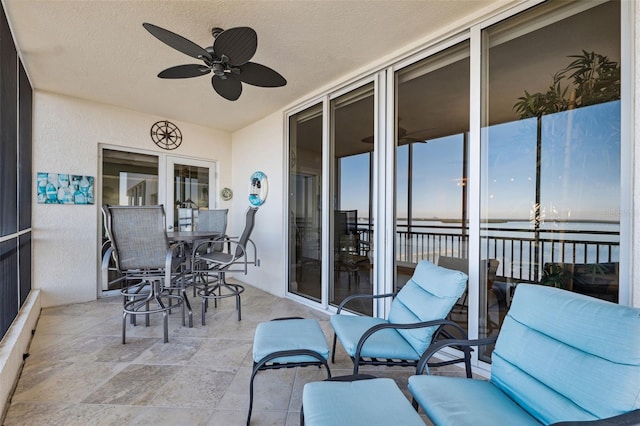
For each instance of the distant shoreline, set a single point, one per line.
(613, 222)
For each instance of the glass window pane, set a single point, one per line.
(128, 178)
(305, 203)
(353, 149)
(431, 166)
(551, 153)
(191, 192)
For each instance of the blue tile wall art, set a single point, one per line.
(62, 188)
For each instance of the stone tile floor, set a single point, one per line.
(79, 373)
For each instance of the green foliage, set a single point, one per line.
(589, 79)
(554, 275)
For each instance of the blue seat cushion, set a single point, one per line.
(286, 335)
(386, 343)
(461, 401)
(373, 402)
(565, 356)
(428, 295)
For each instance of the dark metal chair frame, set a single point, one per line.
(264, 364)
(152, 278)
(447, 329)
(216, 264)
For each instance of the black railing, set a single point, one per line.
(521, 257)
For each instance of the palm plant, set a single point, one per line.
(593, 78)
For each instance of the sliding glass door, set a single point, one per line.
(432, 166)
(550, 194)
(352, 140)
(305, 203)
(330, 249)
(502, 152)
(135, 179)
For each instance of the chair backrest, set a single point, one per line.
(345, 222)
(562, 355)
(488, 267)
(428, 295)
(138, 236)
(246, 233)
(214, 220)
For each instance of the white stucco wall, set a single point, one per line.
(66, 136)
(260, 146)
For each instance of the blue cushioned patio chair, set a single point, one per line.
(416, 319)
(560, 358)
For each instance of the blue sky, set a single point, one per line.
(580, 170)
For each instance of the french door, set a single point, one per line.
(189, 183)
(182, 185)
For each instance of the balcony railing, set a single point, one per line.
(522, 253)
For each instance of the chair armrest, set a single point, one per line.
(362, 296)
(197, 244)
(244, 258)
(433, 323)
(627, 419)
(463, 344)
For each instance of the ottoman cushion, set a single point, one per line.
(286, 335)
(374, 402)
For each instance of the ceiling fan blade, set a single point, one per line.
(185, 71)
(229, 88)
(238, 44)
(260, 75)
(178, 42)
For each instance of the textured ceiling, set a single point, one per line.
(98, 50)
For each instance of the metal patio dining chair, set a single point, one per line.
(152, 267)
(215, 221)
(213, 265)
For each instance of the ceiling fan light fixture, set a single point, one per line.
(228, 58)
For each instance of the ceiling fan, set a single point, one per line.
(404, 137)
(228, 59)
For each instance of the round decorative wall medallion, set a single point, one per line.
(226, 194)
(258, 189)
(166, 135)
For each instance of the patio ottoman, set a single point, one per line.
(286, 343)
(356, 400)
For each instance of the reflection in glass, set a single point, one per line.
(191, 192)
(305, 195)
(353, 148)
(551, 154)
(128, 179)
(431, 166)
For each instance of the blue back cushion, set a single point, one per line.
(428, 295)
(562, 355)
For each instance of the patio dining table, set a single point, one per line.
(188, 237)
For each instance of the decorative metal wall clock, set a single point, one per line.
(166, 135)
